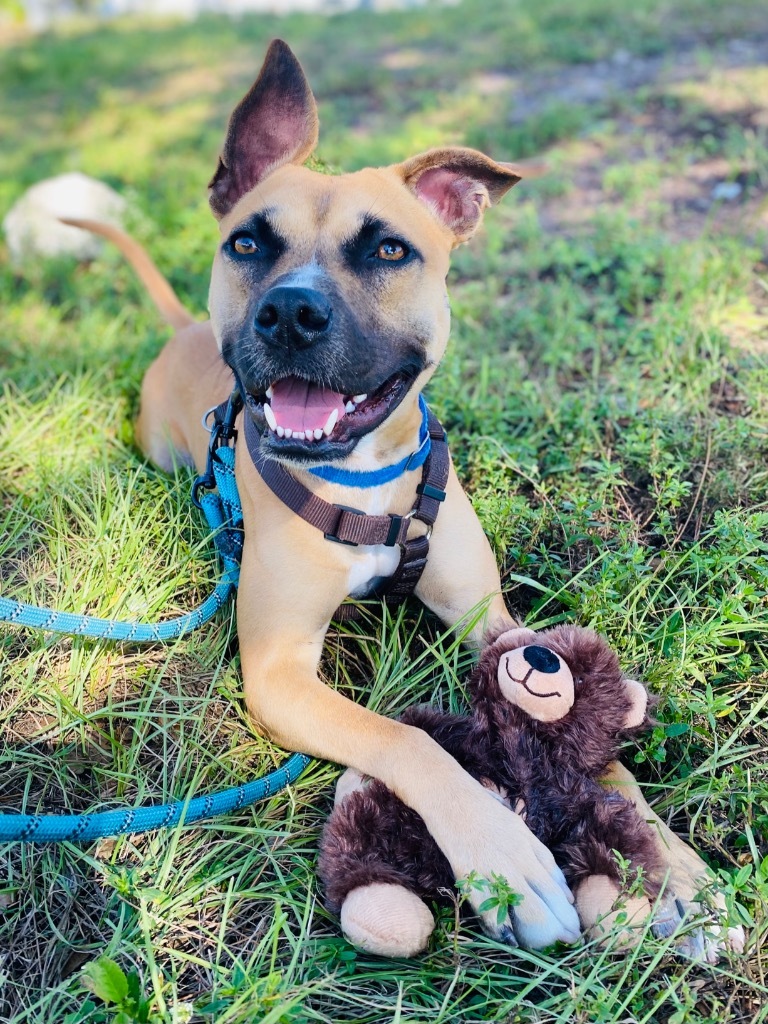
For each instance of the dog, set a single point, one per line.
(329, 310)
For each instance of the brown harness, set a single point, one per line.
(344, 525)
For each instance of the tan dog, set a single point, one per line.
(328, 303)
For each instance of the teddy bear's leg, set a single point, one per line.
(376, 858)
(603, 908)
(606, 825)
(386, 919)
(381, 917)
(609, 853)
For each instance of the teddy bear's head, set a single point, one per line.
(534, 677)
(564, 684)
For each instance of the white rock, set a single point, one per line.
(727, 190)
(32, 228)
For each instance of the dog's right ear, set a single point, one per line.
(274, 124)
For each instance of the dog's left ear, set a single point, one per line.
(274, 124)
(457, 184)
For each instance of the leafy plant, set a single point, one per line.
(120, 991)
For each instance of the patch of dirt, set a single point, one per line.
(625, 73)
(34, 955)
(728, 400)
(686, 114)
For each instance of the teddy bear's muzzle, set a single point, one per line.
(537, 681)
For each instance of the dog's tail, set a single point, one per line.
(161, 293)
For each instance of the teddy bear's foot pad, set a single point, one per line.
(386, 919)
(348, 783)
(604, 910)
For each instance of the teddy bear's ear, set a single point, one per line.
(638, 698)
(519, 636)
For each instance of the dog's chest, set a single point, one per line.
(370, 566)
(372, 563)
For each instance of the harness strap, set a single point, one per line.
(430, 494)
(338, 522)
(345, 525)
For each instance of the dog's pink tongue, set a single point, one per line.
(299, 405)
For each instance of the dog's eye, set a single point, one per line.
(245, 244)
(391, 249)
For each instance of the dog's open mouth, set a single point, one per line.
(302, 418)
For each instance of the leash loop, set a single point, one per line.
(223, 512)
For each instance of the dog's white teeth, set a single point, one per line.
(350, 406)
(288, 432)
(357, 399)
(318, 433)
(280, 432)
(269, 392)
(270, 417)
(331, 422)
(299, 435)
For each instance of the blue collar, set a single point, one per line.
(376, 477)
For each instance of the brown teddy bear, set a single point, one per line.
(548, 713)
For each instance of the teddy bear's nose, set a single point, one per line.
(542, 659)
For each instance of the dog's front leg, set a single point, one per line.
(282, 619)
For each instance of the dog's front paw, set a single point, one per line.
(511, 879)
(693, 912)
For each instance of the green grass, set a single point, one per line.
(606, 393)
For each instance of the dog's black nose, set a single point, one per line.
(293, 317)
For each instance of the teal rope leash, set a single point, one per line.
(224, 514)
(80, 828)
